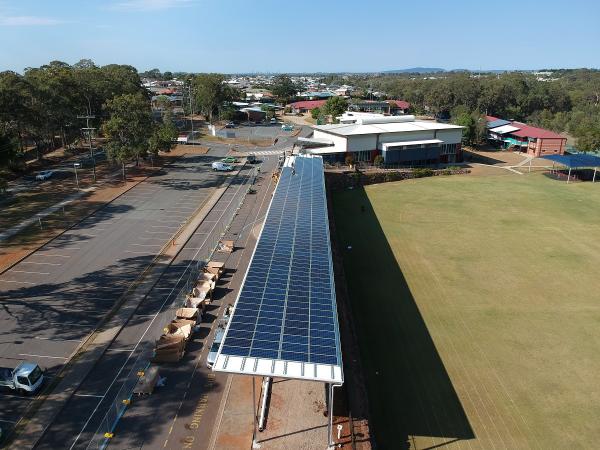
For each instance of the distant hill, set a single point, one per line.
(416, 70)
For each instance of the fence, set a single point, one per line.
(174, 300)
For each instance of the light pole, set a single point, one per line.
(75, 166)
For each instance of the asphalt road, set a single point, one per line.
(87, 413)
(52, 300)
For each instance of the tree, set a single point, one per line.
(587, 135)
(284, 88)
(167, 75)
(335, 106)
(211, 93)
(163, 136)
(315, 113)
(128, 128)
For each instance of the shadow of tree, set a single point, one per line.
(410, 392)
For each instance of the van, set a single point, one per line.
(221, 167)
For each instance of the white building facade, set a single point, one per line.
(399, 139)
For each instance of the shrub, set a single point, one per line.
(421, 173)
(349, 160)
(378, 161)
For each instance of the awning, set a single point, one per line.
(504, 129)
(311, 141)
(386, 145)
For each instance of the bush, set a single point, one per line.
(446, 172)
(378, 161)
(349, 160)
(422, 173)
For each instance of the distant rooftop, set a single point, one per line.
(383, 127)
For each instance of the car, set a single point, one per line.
(287, 127)
(251, 158)
(214, 347)
(222, 167)
(273, 121)
(229, 125)
(44, 175)
(229, 160)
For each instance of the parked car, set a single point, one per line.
(229, 125)
(44, 175)
(287, 127)
(273, 121)
(222, 167)
(26, 378)
(251, 158)
(229, 160)
(214, 348)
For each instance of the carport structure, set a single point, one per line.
(285, 322)
(576, 161)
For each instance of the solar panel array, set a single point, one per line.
(286, 309)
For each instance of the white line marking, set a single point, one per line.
(54, 255)
(147, 245)
(17, 282)
(41, 263)
(31, 273)
(9, 421)
(42, 356)
(138, 253)
(158, 232)
(121, 350)
(87, 395)
(165, 226)
(57, 339)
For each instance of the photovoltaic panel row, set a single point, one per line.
(286, 308)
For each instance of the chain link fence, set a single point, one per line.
(175, 300)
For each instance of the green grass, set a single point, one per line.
(477, 304)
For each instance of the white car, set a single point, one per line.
(44, 175)
(221, 166)
(214, 348)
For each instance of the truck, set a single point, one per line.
(26, 378)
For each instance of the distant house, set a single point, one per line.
(306, 105)
(398, 106)
(525, 138)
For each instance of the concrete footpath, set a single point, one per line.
(46, 408)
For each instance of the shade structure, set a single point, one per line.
(579, 160)
(284, 322)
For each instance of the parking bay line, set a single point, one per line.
(57, 339)
(87, 395)
(52, 255)
(43, 356)
(16, 282)
(41, 263)
(30, 273)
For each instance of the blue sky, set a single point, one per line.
(281, 36)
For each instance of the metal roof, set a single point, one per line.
(380, 128)
(494, 123)
(284, 322)
(578, 160)
(504, 129)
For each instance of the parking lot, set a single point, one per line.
(185, 381)
(53, 299)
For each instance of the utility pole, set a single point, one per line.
(87, 130)
(191, 113)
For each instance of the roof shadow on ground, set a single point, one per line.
(410, 392)
(482, 159)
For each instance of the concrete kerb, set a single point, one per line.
(91, 350)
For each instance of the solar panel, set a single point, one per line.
(285, 318)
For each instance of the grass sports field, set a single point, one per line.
(477, 306)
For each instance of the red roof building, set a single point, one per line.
(526, 138)
(306, 105)
(400, 104)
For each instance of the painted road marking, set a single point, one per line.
(147, 245)
(158, 232)
(41, 263)
(42, 356)
(57, 339)
(54, 255)
(137, 253)
(17, 282)
(164, 226)
(30, 273)
(87, 395)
